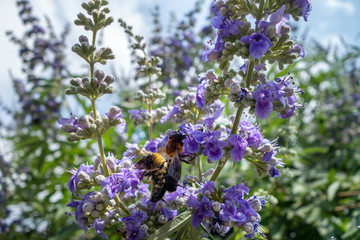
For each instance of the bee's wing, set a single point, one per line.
(148, 163)
(174, 167)
(161, 151)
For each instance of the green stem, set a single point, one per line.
(150, 109)
(99, 141)
(121, 206)
(235, 126)
(250, 70)
(219, 167)
(207, 232)
(199, 167)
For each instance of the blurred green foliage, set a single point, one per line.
(315, 197)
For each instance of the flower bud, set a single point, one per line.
(223, 11)
(96, 197)
(95, 214)
(84, 122)
(99, 179)
(99, 74)
(248, 151)
(126, 164)
(221, 188)
(83, 38)
(228, 82)
(144, 227)
(163, 219)
(235, 88)
(179, 201)
(266, 148)
(105, 216)
(160, 205)
(88, 207)
(207, 193)
(109, 79)
(100, 207)
(97, 161)
(228, 45)
(75, 82)
(209, 172)
(114, 112)
(256, 204)
(248, 227)
(83, 176)
(140, 205)
(216, 206)
(110, 162)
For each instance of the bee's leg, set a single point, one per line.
(179, 185)
(188, 161)
(184, 159)
(163, 199)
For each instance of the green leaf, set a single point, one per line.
(174, 225)
(332, 189)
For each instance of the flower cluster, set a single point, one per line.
(122, 199)
(90, 127)
(278, 95)
(221, 209)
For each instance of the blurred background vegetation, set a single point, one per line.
(315, 197)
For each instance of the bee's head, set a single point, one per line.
(177, 136)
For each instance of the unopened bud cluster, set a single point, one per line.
(87, 127)
(92, 88)
(150, 96)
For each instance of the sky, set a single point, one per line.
(329, 20)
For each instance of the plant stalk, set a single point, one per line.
(235, 126)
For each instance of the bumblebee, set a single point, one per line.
(164, 173)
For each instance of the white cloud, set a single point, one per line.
(341, 5)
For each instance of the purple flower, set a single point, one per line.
(74, 180)
(137, 218)
(305, 6)
(263, 97)
(210, 120)
(297, 48)
(236, 192)
(238, 147)
(229, 211)
(196, 136)
(208, 186)
(172, 112)
(213, 147)
(277, 19)
(133, 223)
(251, 134)
(114, 114)
(99, 228)
(69, 125)
(169, 214)
(152, 145)
(259, 44)
(171, 196)
(200, 94)
(285, 92)
(215, 53)
(202, 209)
(222, 23)
(126, 180)
(134, 233)
(81, 219)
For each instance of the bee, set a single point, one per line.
(164, 173)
